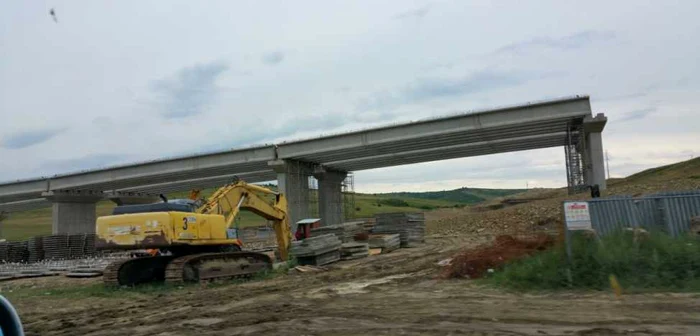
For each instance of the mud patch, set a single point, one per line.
(358, 287)
(203, 322)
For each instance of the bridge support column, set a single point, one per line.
(593, 153)
(330, 196)
(73, 211)
(293, 181)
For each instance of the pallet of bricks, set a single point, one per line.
(410, 226)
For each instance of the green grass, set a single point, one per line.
(683, 169)
(655, 262)
(367, 205)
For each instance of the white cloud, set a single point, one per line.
(179, 79)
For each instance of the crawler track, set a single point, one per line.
(213, 266)
(131, 272)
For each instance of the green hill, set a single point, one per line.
(461, 195)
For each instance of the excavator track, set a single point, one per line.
(213, 266)
(131, 272)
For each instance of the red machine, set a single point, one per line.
(304, 227)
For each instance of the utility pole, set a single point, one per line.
(607, 162)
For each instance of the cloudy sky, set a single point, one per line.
(123, 81)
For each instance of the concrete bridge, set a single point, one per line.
(565, 122)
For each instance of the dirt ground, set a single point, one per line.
(392, 294)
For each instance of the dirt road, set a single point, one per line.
(392, 294)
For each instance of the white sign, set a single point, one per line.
(577, 216)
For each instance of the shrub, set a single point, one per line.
(393, 202)
(655, 261)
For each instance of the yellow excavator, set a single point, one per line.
(194, 239)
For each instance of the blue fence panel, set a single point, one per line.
(609, 215)
(649, 214)
(669, 212)
(678, 210)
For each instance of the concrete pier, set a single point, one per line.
(594, 156)
(330, 195)
(293, 182)
(73, 211)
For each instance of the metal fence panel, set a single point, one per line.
(649, 214)
(669, 212)
(612, 214)
(678, 210)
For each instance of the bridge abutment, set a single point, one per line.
(73, 212)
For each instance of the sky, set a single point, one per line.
(114, 82)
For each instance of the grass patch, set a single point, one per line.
(653, 262)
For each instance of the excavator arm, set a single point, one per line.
(230, 199)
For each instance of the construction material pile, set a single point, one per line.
(385, 242)
(367, 223)
(319, 250)
(349, 251)
(53, 247)
(345, 232)
(409, 226)
(86, 267)
(475, 263)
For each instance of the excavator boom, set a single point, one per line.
(229, 200)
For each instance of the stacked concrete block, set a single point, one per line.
(345, 232)
(410, 227)
(386, 242)
(319, 250)
(350, 251)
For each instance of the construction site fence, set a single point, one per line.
(668, 212)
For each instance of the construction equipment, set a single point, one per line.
(304, 227)
(195, 243)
